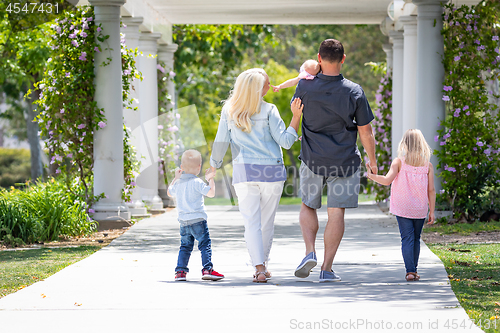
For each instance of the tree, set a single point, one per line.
(23, 54)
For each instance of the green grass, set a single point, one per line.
(474, 272)
(463, 228)
(19, 269)
(283, 200)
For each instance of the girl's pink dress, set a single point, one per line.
(409, 192)
(305, 75)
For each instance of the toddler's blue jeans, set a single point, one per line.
(189, 233)
(410, 230)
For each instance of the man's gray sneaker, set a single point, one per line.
(326, 276)
(306, 265)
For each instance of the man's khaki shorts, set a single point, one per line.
(341, 192)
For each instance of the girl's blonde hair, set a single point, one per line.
(414, 149)
(245, 99)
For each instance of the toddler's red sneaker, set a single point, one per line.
(180, 276)
(210, 274)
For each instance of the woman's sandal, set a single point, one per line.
(268, 275)
(257, 279)
(410, 276)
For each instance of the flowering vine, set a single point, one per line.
(69, 115)
(382, 127)
(468, 135)
(167, 124)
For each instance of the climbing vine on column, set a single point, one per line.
(382, 127)
(468, 136)
(69, 115)
(167, 124)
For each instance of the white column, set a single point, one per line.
(148, 99)
(108, 141)
(430, 72)
(397, 90)
(389, 56)
(409, 72)
(166, 54)
(132, 118)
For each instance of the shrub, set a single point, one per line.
(43, 212)
(14, 166)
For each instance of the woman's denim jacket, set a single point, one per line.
(261, 146)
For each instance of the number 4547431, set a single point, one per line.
(33, 8)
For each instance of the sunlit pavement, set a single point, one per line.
(129, 285)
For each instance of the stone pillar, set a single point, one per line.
(397, 90)
(166, 55)
(389, 55)
(132, 118)
(430, 72)
(147, 181)
(409, 72)
(108, 141)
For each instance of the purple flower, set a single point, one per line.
(62, 110)
(487, 152)
(447, 88)
(480, 144)
(101, 124)
(446, 136)
(457, 58)
(84, 133)
(160, 126)
(465, 107)
(99, 29)
(469, 166)
(442, 143)
(494, 38)
(161, 69)
(461, 45)
(477, 42)
(468, 113)
(171, 74)
(475, 148)
(497, 50)
(83, 34)
(445, 98)
(96, 49)
(72, 36)
(127, 72)
(457, 113)
(83, 56)
(173, 129)
(91, 211)
(86, 27)
(70, 155)
(68, 74)
(482, 47)
(75, 43)
(81, 126)
(89, 19)
(58, 171)
(436, 138)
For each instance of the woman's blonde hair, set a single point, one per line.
(245, 99)
(414, 149)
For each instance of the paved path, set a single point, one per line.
(128, 286)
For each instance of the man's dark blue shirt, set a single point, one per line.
(333, 108)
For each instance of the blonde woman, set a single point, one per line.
(412, 194)
(256, 133)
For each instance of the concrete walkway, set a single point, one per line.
(129, 285)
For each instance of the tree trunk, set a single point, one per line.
(33, 139)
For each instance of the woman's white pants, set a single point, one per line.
(258, 202)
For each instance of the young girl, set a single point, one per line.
(308, 71)
(412, 194)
